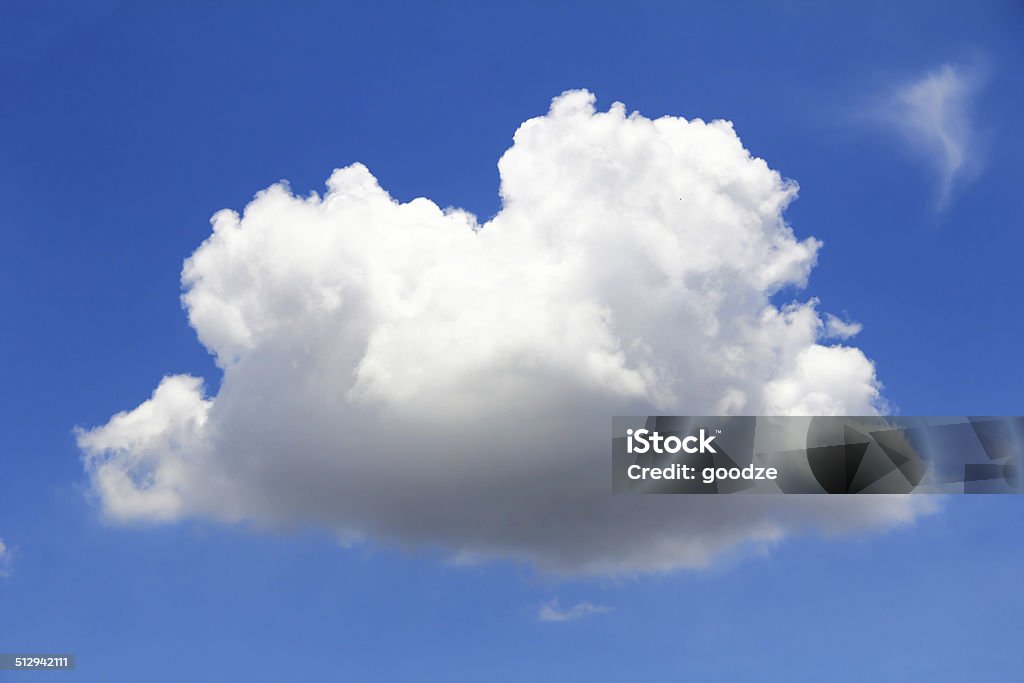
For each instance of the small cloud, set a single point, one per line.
(552, 612)
(5, 560)
(836, 328)
(934, 116)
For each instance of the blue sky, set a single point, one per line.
(125, 127)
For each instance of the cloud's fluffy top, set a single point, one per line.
(400, 371)
(934, 116)
(552, 612)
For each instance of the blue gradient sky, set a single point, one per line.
(123, 127)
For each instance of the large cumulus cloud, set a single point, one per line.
(401, 372)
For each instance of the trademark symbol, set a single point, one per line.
(718, 431)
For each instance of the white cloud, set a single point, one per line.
(552, 612)
(837, 328)
(5, 560)
(934, 116)
(399, 372)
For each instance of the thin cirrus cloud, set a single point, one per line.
(552, 612)
(5, 560)
(934, 116)
(400, 373)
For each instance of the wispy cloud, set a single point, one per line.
(552, 612)
(934, 116)
(5, 560)
(837, 328)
